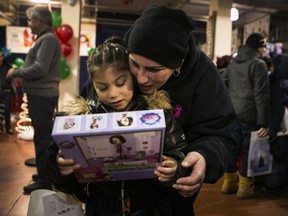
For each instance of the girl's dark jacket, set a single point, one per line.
(144, 194)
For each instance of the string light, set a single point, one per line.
(24, 126)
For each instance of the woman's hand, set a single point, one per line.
(191, 184)
(66, 166)
(167, 170)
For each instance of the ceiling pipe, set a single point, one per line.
(7, 18)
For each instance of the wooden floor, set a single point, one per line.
(211, 202)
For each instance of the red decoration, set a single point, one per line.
(56, 33)
(65, 33)
(66, 49)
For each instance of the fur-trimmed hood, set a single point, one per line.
(156, 100)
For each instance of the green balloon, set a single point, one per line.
(65, 72)
(56, 19)
(63, 61)
(19, 62)
(90, 51)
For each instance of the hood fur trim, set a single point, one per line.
(77, 106)
(156, 100)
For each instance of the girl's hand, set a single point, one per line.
(167, 170)
(66, 166)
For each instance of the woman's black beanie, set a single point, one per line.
(161, 34)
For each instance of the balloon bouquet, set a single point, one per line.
(64, 32)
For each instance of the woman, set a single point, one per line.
(113, 85)
(163, 55)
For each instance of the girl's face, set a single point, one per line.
(150, 75)
(114, 88)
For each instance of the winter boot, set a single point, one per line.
(230, 184)
(246, 187)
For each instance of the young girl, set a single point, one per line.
(115, 91)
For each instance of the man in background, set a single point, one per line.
(40, 80)
(248, 86)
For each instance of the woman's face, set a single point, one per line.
(150, 75)
(114, 88)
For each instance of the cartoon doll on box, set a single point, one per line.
(69, 123)
(94, 124)
(118, 141)
(124, 120)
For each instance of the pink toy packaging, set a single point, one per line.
(112, 146)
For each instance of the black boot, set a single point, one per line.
(36, 186)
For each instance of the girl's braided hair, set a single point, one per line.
(112, 53)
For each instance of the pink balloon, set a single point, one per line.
(65, 33)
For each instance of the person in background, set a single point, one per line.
(115, 91)
(163, 56)
(222, 64)
(40, 76)
(276, 181)
(5, 93)
(248, 85)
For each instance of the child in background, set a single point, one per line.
(113, 83)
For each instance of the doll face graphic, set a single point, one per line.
(69, 123)
(124, 121)
(116, 141)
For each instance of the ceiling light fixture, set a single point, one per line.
(234, 14)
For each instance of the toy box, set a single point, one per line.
(112, 146)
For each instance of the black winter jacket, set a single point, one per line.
(278, 93)
(5, 84)
(148, 194)
(248, 86)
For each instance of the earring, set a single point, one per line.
(176, 72)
